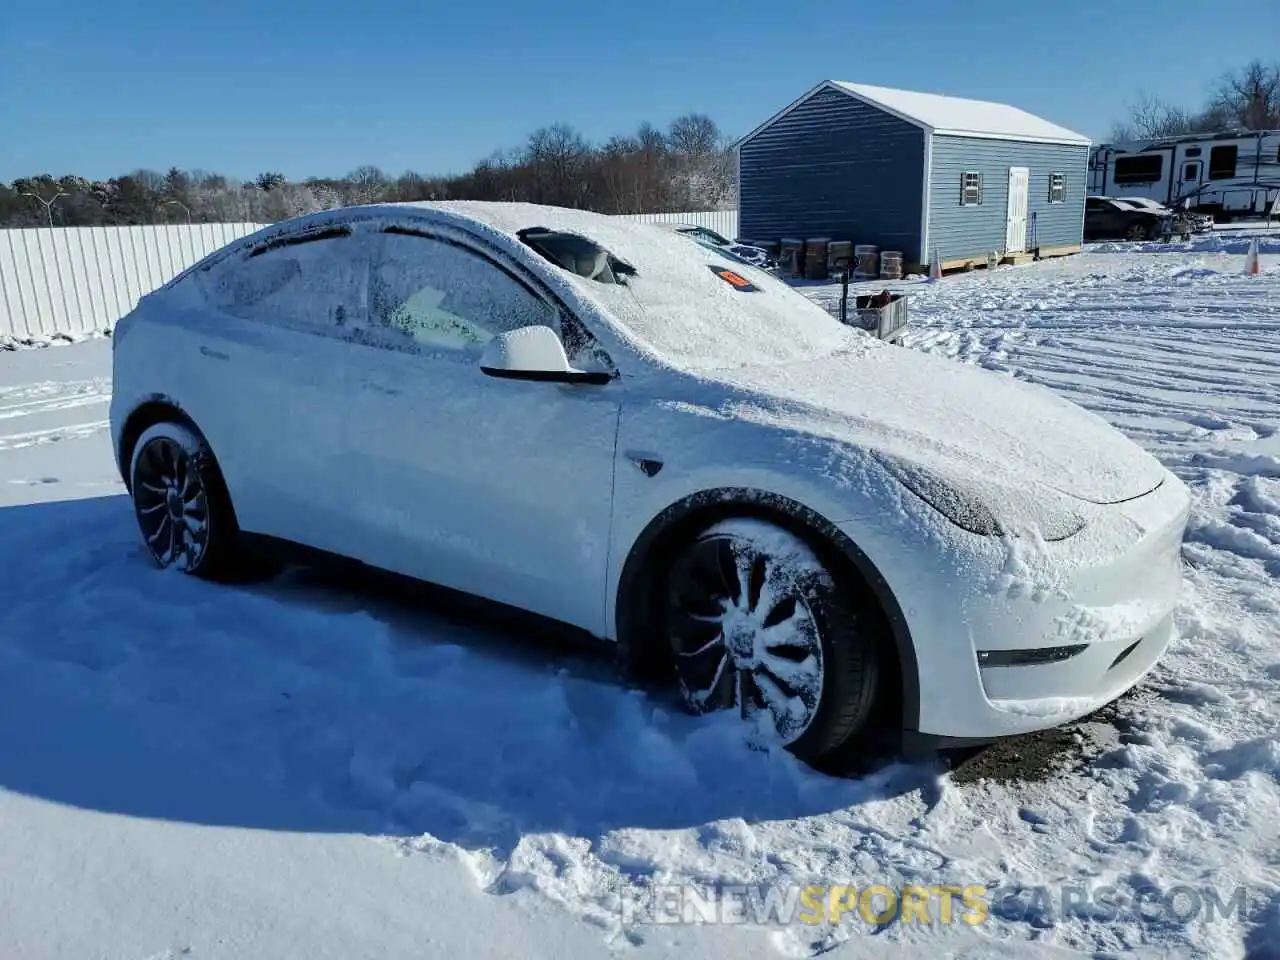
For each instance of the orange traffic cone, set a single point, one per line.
(935, 266)
(1251, 267)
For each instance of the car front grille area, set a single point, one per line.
(1034, 658)
(1044, 655)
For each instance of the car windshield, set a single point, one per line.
(723, 313)
(696, 308)
(685, 303)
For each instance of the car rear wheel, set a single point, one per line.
(181, 503)
(757, 624)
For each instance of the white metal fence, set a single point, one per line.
(79, 279)
(723, 222)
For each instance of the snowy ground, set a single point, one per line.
(311, 770)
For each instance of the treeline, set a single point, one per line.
(1244, 99)
(688, 166)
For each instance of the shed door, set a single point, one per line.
(1015, 240)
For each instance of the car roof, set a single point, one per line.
(672, 306)
(508, 219)
(499, 223)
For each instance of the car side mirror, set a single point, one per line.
(533, 353)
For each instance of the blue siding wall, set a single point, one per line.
(834, 167)
(974, 231)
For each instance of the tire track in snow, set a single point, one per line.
(32, 399)
(24, 405)
(77, 431)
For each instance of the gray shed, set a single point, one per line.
(916, 172)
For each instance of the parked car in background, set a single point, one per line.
(756, 256)
(595, 422)
(1107, 218)
(1195, 222)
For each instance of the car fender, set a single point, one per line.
(820, 486)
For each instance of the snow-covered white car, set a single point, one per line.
(746, 252)
(1196, 221)
(573, 415)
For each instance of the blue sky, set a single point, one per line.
(318, 87)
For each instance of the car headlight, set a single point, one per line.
(968, 511)
(962, 509)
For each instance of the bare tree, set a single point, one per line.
(270, 180)
(1150, 118)
(43, 189)
(1249, 97)
(687, 165)
(557, 158)
(149, 180)
(702, 161)
(694, 135)
(368, 184)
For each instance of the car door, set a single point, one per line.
(1116, 219)
(279, 366)
(498, 487)
(1095, 212)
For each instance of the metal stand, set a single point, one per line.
(844, 293)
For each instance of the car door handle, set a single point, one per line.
(216, 354)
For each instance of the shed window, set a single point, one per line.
(1144, 168)
(1193, 151)
(970, 188)
(1057, 188)
(1222, 163)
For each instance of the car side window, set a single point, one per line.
(314, 284)
(442, 296)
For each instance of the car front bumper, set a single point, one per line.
(1014, 637)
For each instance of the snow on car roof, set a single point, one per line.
(958, 116)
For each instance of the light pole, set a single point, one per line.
(48, 204)
(179, 203)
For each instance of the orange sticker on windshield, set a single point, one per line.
(735, 280)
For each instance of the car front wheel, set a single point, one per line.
(180, 501)
(757, 624)
(1136, 231)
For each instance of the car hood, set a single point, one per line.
(933, 411)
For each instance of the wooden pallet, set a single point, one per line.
(973, 263)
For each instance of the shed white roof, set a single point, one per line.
(953, 116)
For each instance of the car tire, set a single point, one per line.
(755, 622)
(1137, 231)
(180, 500)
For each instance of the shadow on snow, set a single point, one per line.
(311, 704)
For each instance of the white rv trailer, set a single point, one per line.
(1225, 174)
